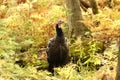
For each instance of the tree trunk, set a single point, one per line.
(118, 64)
(74, 15)
(94, 6)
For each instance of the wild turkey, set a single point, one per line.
(57, 49)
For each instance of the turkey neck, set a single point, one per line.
(59, 31)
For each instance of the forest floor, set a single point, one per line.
(25, 29)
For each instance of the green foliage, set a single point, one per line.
(68, 73)
(87, 52)
(10, 71)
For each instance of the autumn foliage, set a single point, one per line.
(27, 25)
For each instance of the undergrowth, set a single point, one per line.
(26, 28)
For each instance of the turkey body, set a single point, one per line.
(57, 50)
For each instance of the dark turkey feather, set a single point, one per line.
(57, 49)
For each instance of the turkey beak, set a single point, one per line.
(61, 22)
